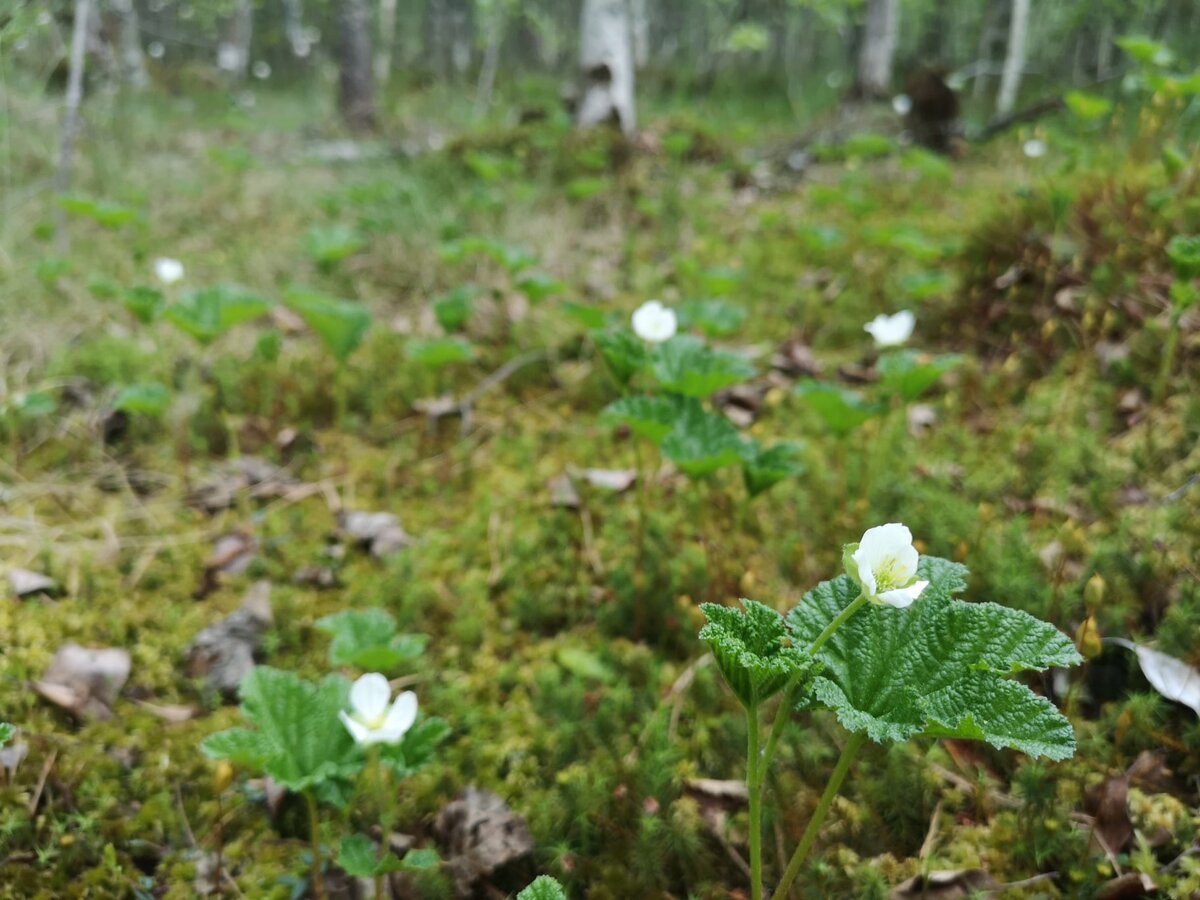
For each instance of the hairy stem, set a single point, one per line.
(314, 824)
(818, 817)
(754, 787)
(837, 623)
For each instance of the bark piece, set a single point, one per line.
(481, 835)
(1109, 803)
(1129, 886)
(25, 583)
(380, 532)
(943, 885)
(562, 492)
(618, 480)
(223, 653)
(85, 681)
(259, 479)
(231, 555)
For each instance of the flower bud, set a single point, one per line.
(1093, 592)
(1087, 639)
(222, 777)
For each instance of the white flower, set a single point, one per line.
(371, 720)
(889, 331)
(168, 270)
(1034, 149)
(654, 322)
(902, 104)
(884, 563)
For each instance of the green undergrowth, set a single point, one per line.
(561, 641)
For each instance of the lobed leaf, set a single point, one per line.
(652, 417)
(208, 313)
(686, 365)
(702, 442)
(543, 888)
(938, 668)
(753, 649)
(340, 324)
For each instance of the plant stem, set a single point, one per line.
(754, 788)
(385, 817)
(1168, 359)
(818, 817)
(314, 824)
(837, 623)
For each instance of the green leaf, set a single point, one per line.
(716, 318)
(356, 856)
(1146, 50)
(685, 365)
(754, 650)
(6, 733)
(366, 639)
(720, 281)
(149, 399)
(589, 317)
(417, 747)
(453, 309)
(1184, 253)
(938, 668)
(340, 324)
(623, 353)
(439, 352)
(650, 416)
(1087, 107)
(763, 469)
(543, 888)
(702, 442)
(144, 303)
(208, 313)
(584, 664)
(538, 287)
(841, 409)
(911, 374)
(104, 213)
(328, 245)
(299, 742)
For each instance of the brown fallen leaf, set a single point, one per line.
(741, 403)
(943, 885)
(223, 653)
(320, 577)
(170, 713)
(795, 359)
(562, 492)
(921, 417)
(11, 758)
(25, 583)
(1171, 677)
(1129, 886)
(84, 681)
(480, 834)
(1109, 804)
(1149, 772)
(231, 555)
(257, 478)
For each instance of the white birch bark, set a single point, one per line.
(1014, 57)
(639, 17)
(293, 28)
(491, 60)
(606, 65)
(878, 48)
(356, 84)
(387, 39)
(129, 40)
(70, 128)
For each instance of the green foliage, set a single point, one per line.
(701, 442)
(939, 668)
(416, 749)
(1087, 107)
(754, 650)
(439, 352)
(652, 416)
(841, 409)
(208, 313)
(910, 374)
(358, 859)
(105, 213)
(538, 287)
(716, 318)
(366, 639)
(144, 303)
(1184, 253)
(623, 353)
(340, 324)
(685, 365)
(1146, 50)
(328, 245)
(7, 732)
(453, 309)
(297, 738)
(763, 469)
(543, 888)
(147, 399)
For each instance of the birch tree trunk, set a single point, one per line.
(387, 38)
(640, 23)
(70, 128)
(356, 98)
(237, 58)
(606, 65)
(133, 64)
(1014, 58)
(878, 48)
(491, 60)
(293, 28)
(983, 56)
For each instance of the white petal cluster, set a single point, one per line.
(891, 331)
(884, 563)
(654, 322)
(167, 270)
(371, 719)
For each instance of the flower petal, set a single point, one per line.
(903, 597)
(885, 542)
(357, 730)
(369, 697)
(400, 717)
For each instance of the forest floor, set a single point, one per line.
(561, 619)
